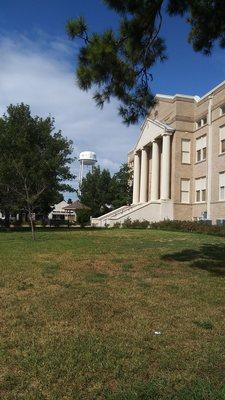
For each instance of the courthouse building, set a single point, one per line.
(178, 161)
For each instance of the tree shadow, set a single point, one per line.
(209, 257)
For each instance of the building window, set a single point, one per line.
(204, 195)
(223, 146)
(200, 190)
(222, 110)
(201, 122)
(222, 139)
(204, 121)
(222, 185)
(198, 195)
(185, 151)
(185, 191)
(201, 148)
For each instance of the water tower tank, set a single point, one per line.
(87, 158)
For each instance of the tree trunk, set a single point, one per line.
(32, 225)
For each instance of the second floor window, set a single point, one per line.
(200, 190)
(222, 139)
(201, 122)
(185, 151)
(201, 148)
(222, 110)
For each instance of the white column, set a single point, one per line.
(136, 182)
(165, 168)
(144, 176)
(155, 171)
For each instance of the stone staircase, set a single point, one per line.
(104, 219)
(151, 211)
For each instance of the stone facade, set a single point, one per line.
(179, 161)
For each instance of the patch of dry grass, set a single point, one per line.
(80, 310)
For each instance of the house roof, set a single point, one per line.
(76, 205)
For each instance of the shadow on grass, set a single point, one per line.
(209, 257)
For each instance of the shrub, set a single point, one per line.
(17, 223)
(83, 216)
(127, 223)
(140, 224)
(176, 225)
(117, 225)
(136, 224)
(189, 226)
(56, 223)
(44, 222)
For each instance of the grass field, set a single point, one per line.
(80, 310)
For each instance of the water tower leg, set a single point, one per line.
(82, 170)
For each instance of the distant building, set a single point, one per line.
(74, 207)
(178, 161)
(59, 213)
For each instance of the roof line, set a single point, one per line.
(212, 90)
(196, 98)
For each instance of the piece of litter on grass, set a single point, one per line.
(157, 333)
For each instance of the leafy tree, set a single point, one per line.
(95, 191)
(101, 192)
(83, 216)
(34, 161)
(8, 204)
(119, 62)
(121, 187)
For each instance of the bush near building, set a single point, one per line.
(168, 225)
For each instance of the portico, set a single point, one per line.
(178, 162)
(154, 145)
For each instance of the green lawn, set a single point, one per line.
(80, 310)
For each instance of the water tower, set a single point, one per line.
(87, 161)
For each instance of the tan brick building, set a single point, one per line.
(179, 161)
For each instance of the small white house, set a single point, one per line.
(58, 212)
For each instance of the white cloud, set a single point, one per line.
(40, 73)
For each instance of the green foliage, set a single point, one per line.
(34, 162)
(121, 186)
(76, 27)
(136, 224)
(94, 191)
(83, 216)
(56, 223)
(175, 225)
(206, 20)
(189, 226)
(117, 225)
(119, 62)
(100, 191)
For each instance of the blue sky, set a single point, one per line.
(37, 66)
(185, 71)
